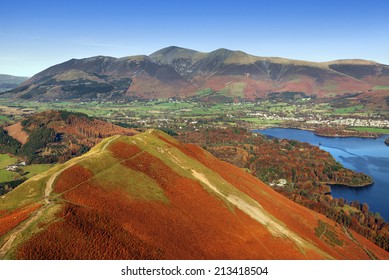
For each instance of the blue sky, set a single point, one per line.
(37, 34)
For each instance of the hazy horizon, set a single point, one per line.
(36, 35)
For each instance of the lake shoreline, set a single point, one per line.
(345, 136)
(330, 184)
(364, 155)
(322, 134)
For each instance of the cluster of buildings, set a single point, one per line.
(339, 121)
(15, 167)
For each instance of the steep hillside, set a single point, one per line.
(299, 171)
(53, 136)
(237, 75)
(151, 197)
(220, 75)
(181, 59)
(103, 78)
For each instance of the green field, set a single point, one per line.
(7, 176)
(348, 110)
(262, 122)
(6, 160)
(234, 89)
(35, 169)
(204, 92)
(24, 172)
(380, 87)
(3, 119)
(371, 129)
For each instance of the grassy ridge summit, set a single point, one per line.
(174, 55)
(150, 196)
(46, 138)
(220, 75)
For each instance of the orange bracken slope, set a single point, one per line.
(151, 197)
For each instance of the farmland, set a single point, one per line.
(180, 115)
(10, 178)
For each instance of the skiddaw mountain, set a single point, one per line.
(221, 75)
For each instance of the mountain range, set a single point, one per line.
(220, 75)
(149, 196)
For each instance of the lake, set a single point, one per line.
(370, 156)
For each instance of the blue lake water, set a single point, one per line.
(370, 156)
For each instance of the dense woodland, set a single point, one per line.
(343, 132)
(297, 170)
(57, 136)
(43, 146)
(8, 186)
(8, 145)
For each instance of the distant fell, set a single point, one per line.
(8, 82)
(222, 75)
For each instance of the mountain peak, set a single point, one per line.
(222, 51)
(173, 53)
(233, 57)
(173, 49)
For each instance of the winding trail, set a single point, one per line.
(371, 256)
(47, 202)
(324, 231)
(258, 213)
